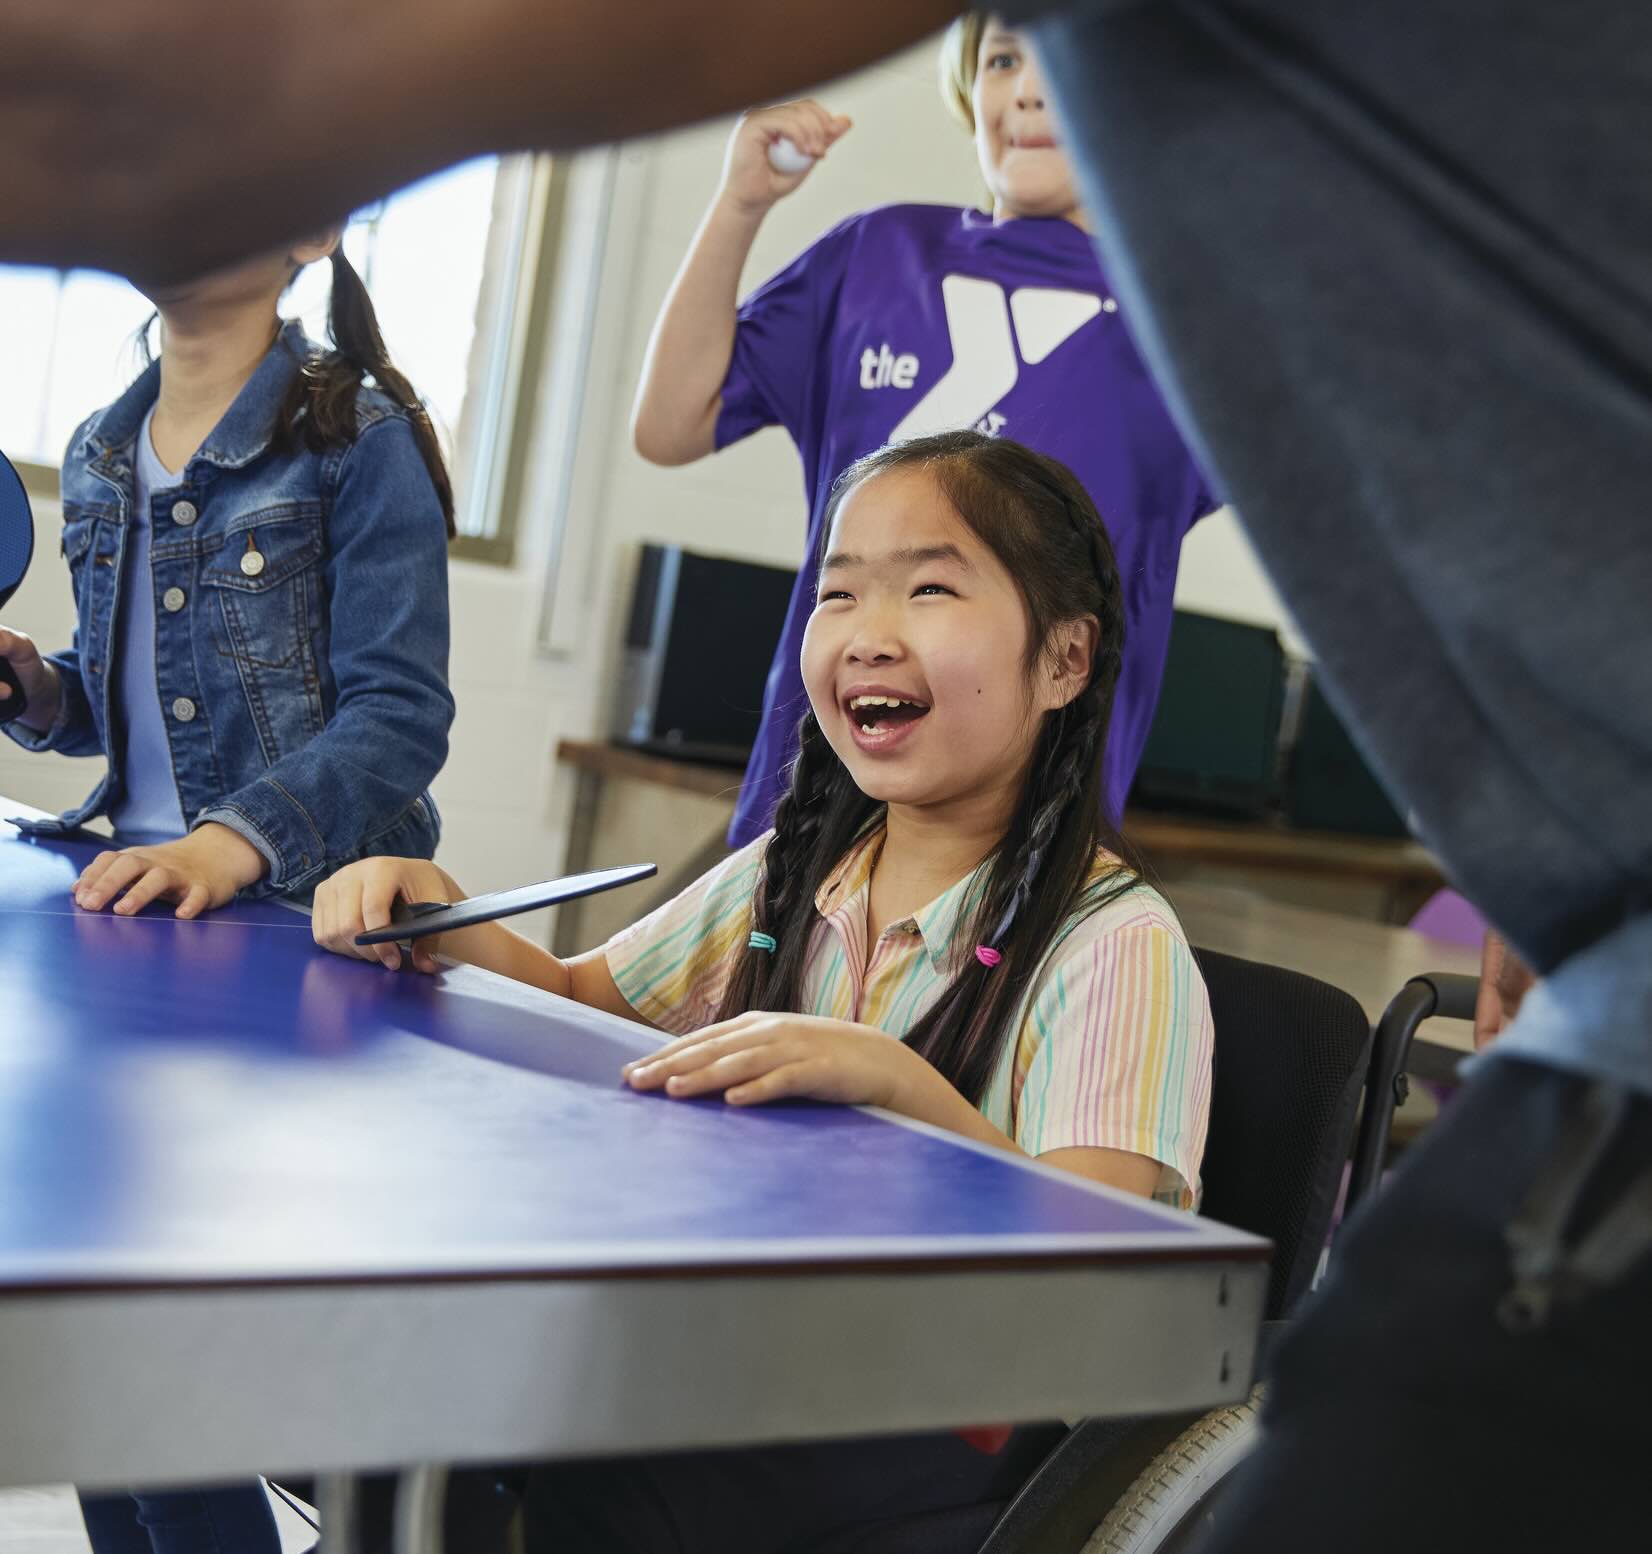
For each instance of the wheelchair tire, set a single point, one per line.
(1174, 1495)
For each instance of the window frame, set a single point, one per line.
(517, 318)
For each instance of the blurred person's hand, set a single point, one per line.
(1505, 979)
(278, 120)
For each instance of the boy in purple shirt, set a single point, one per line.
(911, 319)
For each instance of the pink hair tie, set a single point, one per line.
(988, 956)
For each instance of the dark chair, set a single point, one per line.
(1293, 1056)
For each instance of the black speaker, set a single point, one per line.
(701, 633)
(1214, 743)
(1330, 788)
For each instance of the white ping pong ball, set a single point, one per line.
(784, 157)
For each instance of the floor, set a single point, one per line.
(47, 1521)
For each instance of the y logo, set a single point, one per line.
(985, 366)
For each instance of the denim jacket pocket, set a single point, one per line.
(270, 620)
(263, 572)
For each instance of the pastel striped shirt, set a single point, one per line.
(1113, 1041)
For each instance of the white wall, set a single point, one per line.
(1220, 575)
(504, 801)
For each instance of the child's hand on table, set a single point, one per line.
(200, 872)
(363, 896)
(773, 1057)
(770, 1057)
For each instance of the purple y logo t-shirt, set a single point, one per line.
(913, 319)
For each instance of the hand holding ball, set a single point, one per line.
(784, 157)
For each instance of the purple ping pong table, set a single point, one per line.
(265, 1209)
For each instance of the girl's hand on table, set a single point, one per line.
(362, 896)
(760, 1057)
(201, 871)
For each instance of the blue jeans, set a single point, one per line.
(235, 1520)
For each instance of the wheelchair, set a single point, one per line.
(1304, 1096)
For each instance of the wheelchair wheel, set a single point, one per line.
(1175, 1496)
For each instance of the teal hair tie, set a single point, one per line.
(763, 941)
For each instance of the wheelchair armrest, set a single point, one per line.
(1447, 995)
(1454, 994)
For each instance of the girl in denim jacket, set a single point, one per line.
(257, 534)
(258, 541)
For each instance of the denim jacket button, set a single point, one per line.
(173, 600)
(252, 563)
(183, 709)
(184, 513)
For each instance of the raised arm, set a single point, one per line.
(354, 101)
(679, 396)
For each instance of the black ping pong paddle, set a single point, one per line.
(16, 551)
(416, 919)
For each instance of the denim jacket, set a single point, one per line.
(304, 691)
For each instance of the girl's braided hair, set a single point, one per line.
(1037, 519)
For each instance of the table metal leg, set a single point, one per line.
(565, 939)
(420, 1497)
(338, 1502)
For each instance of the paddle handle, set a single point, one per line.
(412, 911)
(17, 703)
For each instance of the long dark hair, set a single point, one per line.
(1036, 518)
(320, 407)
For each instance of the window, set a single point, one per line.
(68, 341)
(458, 270)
